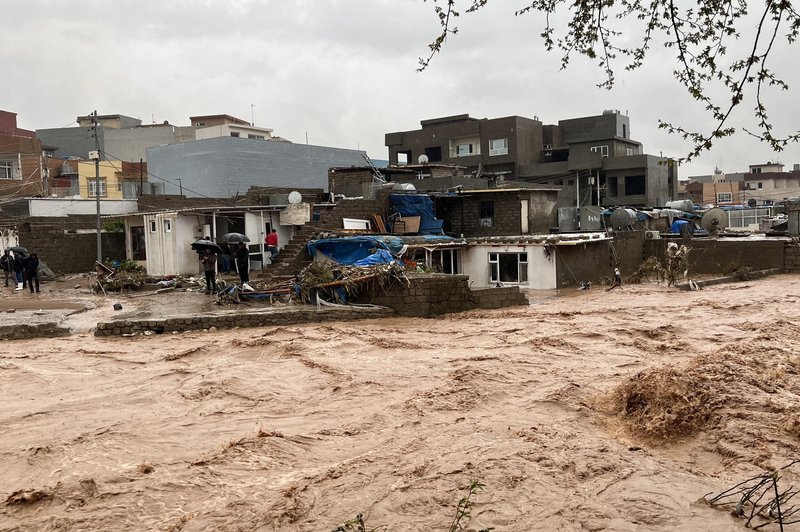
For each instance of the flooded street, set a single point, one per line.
(306, 426)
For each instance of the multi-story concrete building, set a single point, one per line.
(593, 158)
(762, 184)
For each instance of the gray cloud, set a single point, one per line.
(342, 72)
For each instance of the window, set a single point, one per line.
(724, 197)
(635, 185)
(93, 192)
(152, 226)
(446, 261)
(256, 137)
(630, 151)
(498, 147)
(756, 170)
(434, 154)
(167, 226)
(760, 184)
(234, 133)
(486, 214)
(6, 170)
(200, 124)
(462, 150)
(602, 150)
(403, 157)
(508, 268)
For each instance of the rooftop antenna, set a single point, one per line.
(252, 115)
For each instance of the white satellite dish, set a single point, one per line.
(295, 197)
(423, 159)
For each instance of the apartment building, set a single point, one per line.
(593, 159)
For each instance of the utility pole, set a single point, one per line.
(180, 185)
(96, 156)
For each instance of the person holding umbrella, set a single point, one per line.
(243, 262)
(18, 266)
(31, 263)
(209, 261)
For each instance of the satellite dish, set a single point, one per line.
(423, 159)
(714, 220)
(751, 203)
(295, 197)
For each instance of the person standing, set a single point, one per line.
(272, 244)
(225, 257)
(31, 264)
(616, 282)
(19, 271)
(209, 261)
(5, 264)
(243, 262)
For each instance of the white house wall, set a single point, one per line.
(186, 259)
(541, 269)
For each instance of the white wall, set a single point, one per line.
(541, 270)
(66, 206)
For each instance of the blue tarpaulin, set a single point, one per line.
(418, 205)
(352, 249)
(379, 257)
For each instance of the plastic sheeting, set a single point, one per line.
(379, 257)
(346, 250)
(418, 205)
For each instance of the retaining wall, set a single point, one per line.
(231, 319)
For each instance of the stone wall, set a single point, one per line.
(432, 295)
(232, 319)
(791, 258)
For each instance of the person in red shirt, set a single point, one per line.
(272, 244)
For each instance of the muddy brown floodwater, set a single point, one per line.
(587, 410)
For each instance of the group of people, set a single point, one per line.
(24, 270)
(240, 256)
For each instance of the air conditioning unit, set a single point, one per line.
(651, 235)
(198, 231)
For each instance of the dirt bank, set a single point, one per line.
(304, 427)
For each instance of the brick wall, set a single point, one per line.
(348, 181)
(347, 208)
(462, 214)
(62, 248)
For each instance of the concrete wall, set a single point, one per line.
(108, 172)
(131, 144)
(590, 261)
(432, 295)
(791, 258)
(721, 256)
(541, 267)
(65, 207)
(227, 166)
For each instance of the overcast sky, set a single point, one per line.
(342, 72)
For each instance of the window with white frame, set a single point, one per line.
(6, 170)
(152, 226)
(498, 147)
(602, 150)
(508, 268)
(167, 226)
(462, 150)
(93, 188)
(630, 151)
(724, 197)
(446, 260)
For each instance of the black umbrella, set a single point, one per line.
(199, 245)
(18, 250)
(233, 237)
